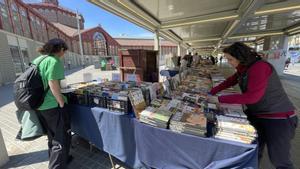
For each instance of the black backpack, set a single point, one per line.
(29, 90)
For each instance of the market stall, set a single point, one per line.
(138, 144)
(108, 131)
(164, 125)
(161, 148)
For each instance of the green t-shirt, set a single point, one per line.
(51, 68)
(103, 63)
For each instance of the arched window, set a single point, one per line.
(6, 24)
(25, 22)
(99, 44)
(16, 18)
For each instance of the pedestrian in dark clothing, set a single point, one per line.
(287, 62)
(53, 113)
(189, 59)
(178, 61)
(212, 59)
(69, 65)
(269, 109)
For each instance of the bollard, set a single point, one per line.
(3, 151)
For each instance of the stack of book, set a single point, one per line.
(160, 112)
(235, 129)
(232, 110)
(155, 117)
(190, 121)
(217, 79)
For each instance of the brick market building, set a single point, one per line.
(26, 26)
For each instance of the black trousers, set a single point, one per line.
(276, 134)
(56, 123)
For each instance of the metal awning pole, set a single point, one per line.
(79, 35)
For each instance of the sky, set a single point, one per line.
(114, 25)
(94, 15)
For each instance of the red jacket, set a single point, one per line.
(258, 76)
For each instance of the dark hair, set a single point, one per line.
(245, 54)
(185, 57)
(53, 46)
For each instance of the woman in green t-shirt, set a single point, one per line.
(53, 113)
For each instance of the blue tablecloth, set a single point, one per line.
(132, 142)
(161, 148)
(84, 124)
(108, 131)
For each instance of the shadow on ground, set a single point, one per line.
(74, 70)
(6, 94)
(26, 159)
(290, 77)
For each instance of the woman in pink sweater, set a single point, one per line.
(269, 109)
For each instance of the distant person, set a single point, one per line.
(183, 63)
(196, 59)
(112, 63)
(69, 65)
(212, 59)
(174, 62)
(287, 62)
(103, 64)
(221, 58)
(268, 107)
(178, 61)
(189, 59)
(53, 113)
(200, 57)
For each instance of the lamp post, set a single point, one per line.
(79, 35)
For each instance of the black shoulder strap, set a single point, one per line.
(37, 65)
(44, 57)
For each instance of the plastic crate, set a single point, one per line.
(122, 106)
(97, 101)
(81, 99)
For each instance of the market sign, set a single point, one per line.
(294, 54)
(116, 77)
(131, 77)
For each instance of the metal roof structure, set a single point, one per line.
(142, 42)
(209, 24)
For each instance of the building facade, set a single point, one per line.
(57, 14)
(25, 27)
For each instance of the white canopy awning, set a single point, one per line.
(209, 24)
